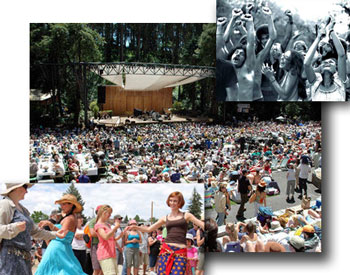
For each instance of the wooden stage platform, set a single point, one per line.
(117, 121)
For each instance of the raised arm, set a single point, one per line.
(190, 217)
(236, 13)
(221, 53)
(340, 51)
(310, 73)
(272, 35)
(151, 228)
(250, 59)
(288, 30)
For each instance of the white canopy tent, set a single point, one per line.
(145, 76)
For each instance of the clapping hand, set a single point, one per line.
(268, 71)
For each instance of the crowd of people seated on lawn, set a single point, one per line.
(291, 231)
(171, 153)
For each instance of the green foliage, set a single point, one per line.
(195, 204)
(177, 107)
(94, 108)
(38, 216)
(64, 43)
(126, 219)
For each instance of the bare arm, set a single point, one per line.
(272, 35)
(250, 59)
(221, 52)
(200, 241)
(107, 236)
(288, 30)
(151, 228)
(190, 217)
(310, 73)
(235, 14)
(340, 51)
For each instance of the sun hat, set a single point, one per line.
(189, 236)
(70, 199)
(132, 222)
(12, 186)
(308, 229)
(297, 242)
(276, 226)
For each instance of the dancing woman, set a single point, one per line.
(59, 257)
(172, 257)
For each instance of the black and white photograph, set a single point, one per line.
(282, 50)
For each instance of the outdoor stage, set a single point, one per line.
(118, 121)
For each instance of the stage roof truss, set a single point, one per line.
(107, 69)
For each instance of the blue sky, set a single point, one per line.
(125, 199)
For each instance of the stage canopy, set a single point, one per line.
(150, 76)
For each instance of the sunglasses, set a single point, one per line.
(25, 186)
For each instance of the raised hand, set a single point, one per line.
(268, 71)
(250, 7)
(266, 11)
(288, 13)
(236, 13)
(247, 18)
(221, 21)
(21, 226)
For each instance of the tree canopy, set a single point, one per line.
(65, 44)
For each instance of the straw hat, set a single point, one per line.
(12, 186)
(70, 199)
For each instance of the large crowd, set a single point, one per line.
(256, 63)
(167, 153)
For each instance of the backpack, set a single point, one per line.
(87, 236)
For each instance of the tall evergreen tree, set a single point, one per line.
(195, 205)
